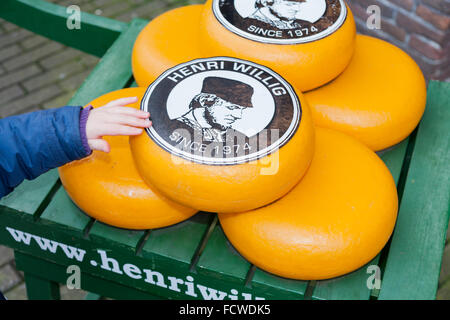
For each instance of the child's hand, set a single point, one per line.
(113, 119)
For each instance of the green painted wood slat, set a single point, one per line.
(413, 265)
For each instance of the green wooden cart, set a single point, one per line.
(193, 259)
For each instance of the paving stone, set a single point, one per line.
(53, 76)
(8, 79)
(8, 26)
(101, 3)
(29, 101)
(445, 267)
(72, 294)
(14, 37)
(127, 16)
(444, 292)
(59, 101)
(17, 293)
(151, 9)
(32, 56)
(75, 81)
(115, 9)
(67, 55)
(11, 93)
(89, 60)
(8, 277)
(10, 51)
(6, 255)
(33, 41)
(448, 233)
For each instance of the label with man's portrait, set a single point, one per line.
(281, 21)
(221, 111)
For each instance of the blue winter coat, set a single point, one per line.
(33, 143)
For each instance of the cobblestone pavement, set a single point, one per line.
(36, 74)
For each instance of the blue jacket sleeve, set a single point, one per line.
(33, 143)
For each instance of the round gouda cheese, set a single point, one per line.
(308, 42)
(227, 135)
(379, 99)
(338, 218)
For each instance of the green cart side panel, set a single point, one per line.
(39, 268)
(414, 259)
(95, 36)
(354, 285)
(29, 195)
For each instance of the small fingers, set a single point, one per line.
(130, 111)
(129, 120)
(99, 144)
(121, 102)
(120, 130)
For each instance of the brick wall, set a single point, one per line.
(420, 27)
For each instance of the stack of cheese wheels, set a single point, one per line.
(228, 135)
(307, 55)
(379, 99)
(108, 187)
(378, 92)
(339, 216)
(308, 42)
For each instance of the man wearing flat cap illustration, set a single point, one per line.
(214, 110)
(282, 14)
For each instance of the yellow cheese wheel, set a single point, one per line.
(168, 40)
(379, 99)
(227, 135)
(334, 221)
(108, 187)
(308, 42)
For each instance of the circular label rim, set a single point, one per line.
(291, 130)
(333, 28)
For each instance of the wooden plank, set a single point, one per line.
(95, 35)
(104, 234)
(29, 196)
(278, 288)
(63, 211)
(178, 242)
(221, 261)
(414, 259)
(353, 286)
